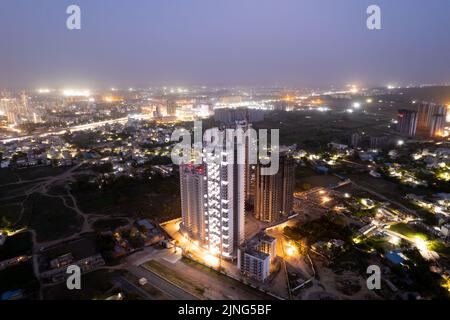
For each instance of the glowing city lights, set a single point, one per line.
(325, 199)
(394, 240)
(76, 93)
(291, 250)
(421, 244)
(212, 260)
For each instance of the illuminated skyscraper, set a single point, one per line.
(24, 104)
(171, 108)
(437, 125)
(225, 217)
(380, 142)
(9, 108)
(212, 199)
(426, 113)
(268, 196)
(355, 139)
(193, 201)
(274, 193)
(407, 122)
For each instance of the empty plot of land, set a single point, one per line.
(50, 217)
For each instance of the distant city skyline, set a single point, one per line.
(310, 43)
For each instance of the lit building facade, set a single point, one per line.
(355, 140)
(427, 114)
(407, 122)
(274, 193)
(257, 256)
(267, 244)
(193, 188)
(437, 126)
(255, 264)
(225, 216)
(213, 199)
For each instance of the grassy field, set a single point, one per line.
(440, 247)
(313, 129)
(409, 231)
(386, 188)
(157, 198)
(377, 243)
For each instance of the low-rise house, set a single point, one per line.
(445, 230)
(150, 234)
(254, 264)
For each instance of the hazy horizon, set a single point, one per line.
(309, 43)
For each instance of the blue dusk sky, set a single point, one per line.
(223, 42)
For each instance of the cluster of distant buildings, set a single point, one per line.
(439, 204)
(429, 120)
(122, 145)
(17, 110)
(40, 151)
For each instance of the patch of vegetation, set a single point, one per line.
(104, 168)
(428, 217)
(351, 260)
(325, 229)
(9, 215)
(109, 224)
(417, 277)
(17, 277)
(440, 247)
(82, 139)
(409, 231)
(376, 243)
(160, 160)
(154, 197)
(17, 245)
(364, 213)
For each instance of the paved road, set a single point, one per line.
(76, 128)
(161, 284)
(124, 283)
